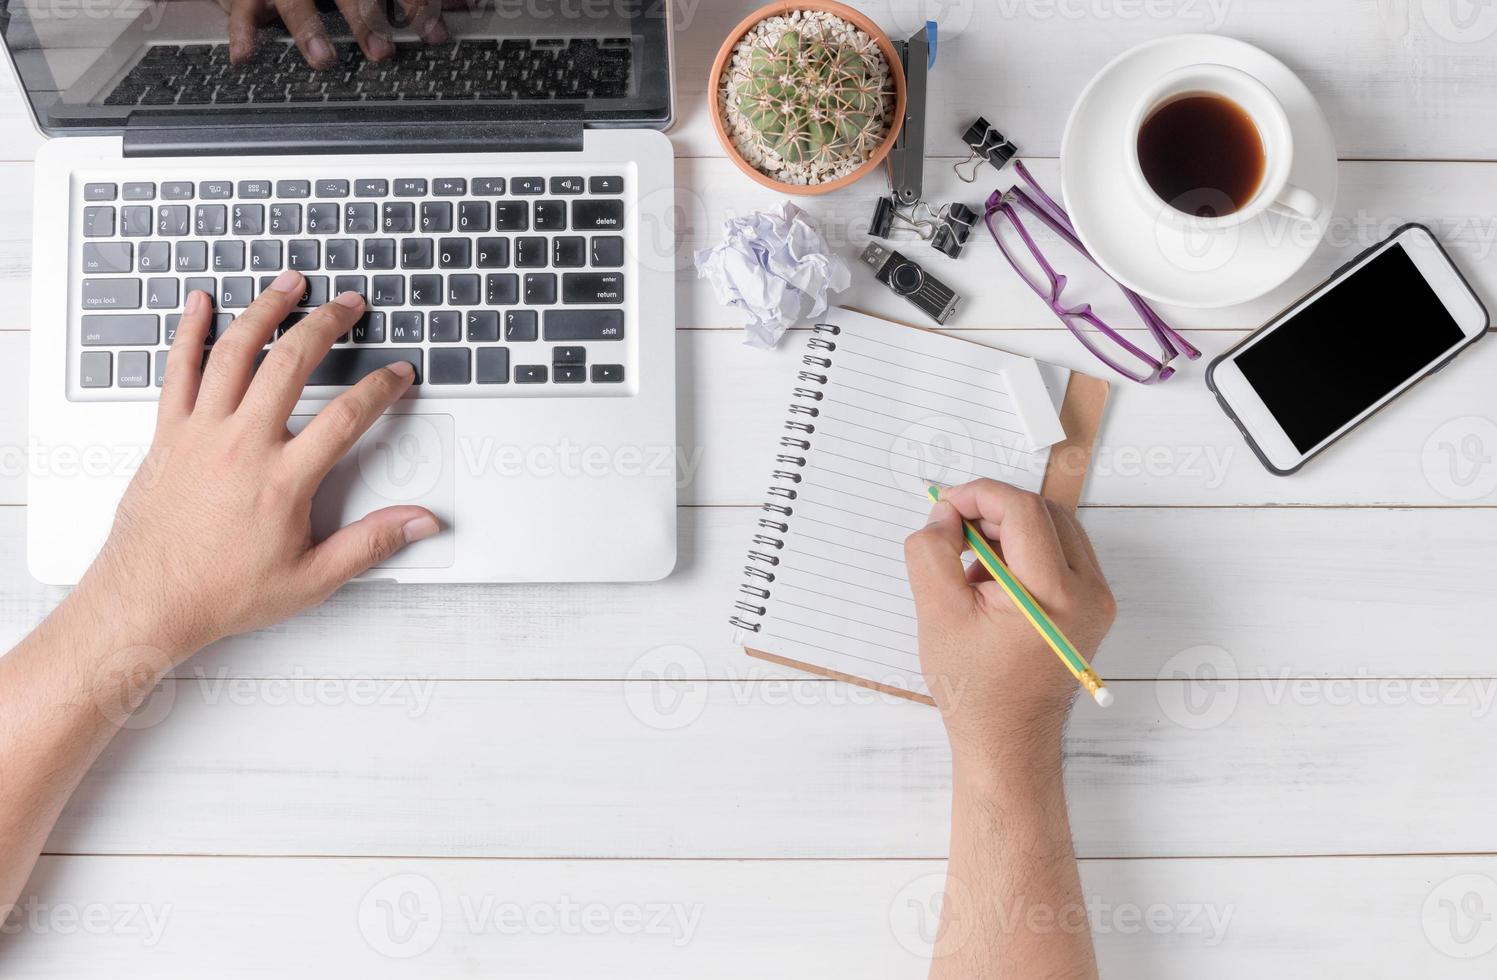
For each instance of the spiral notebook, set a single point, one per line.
(878, 412)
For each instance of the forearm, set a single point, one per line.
(1013, 906)
(64, 692)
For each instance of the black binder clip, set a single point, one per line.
(986, 143)
(956, 228)
(886, 212)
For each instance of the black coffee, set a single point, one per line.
(1202, 154)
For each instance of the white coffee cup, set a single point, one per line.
(1274, 192)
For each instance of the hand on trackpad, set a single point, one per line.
(402, 459)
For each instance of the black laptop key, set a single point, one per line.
(519, 326)
(550, 216)
(454, 253)
(426, 290)
(285, 219)
(501, 289)
(254, 189)
(530, 374)
(607, 374)
(360, 219)
(155, 256)
(331, 188)
(192, 257)
(446, 327)
(569, 374)
(228, 256)
(139, 190)
(210, 190)
(163, 294)
(211, 219)
(605, 185)
(607, 252)
(235, 292)
(99, 192)
(527, 185)
(344, 366)
(371, 188)
(416, 253)
(483, 327)
(473, 216)
(388, 291)
(323, 219)
(462, 290)
(248, 219)
(173, 219)
(316, 292)
(108, 257)
(399, 218)
(511, 217)
(201, 284)
(304, 255)
(265, 255)
(111, 294)
(407, 327)
(342, 253)
(351, 284)
(410, 187)
(176, 190)
(566, 185)
(600, 288)
(448, 366)
(488, 186)
(95, 369)
(136, 220)
(573, 356)
(379, 253)
(449, 187)
(571, 326)
(493, 365)
(293, 188)
(531, 252)
(540, 288)
(493, 253)
(605, 215)
(370, 329)
(98, 222)
(134, 330)
(569, 252)
(436, 217)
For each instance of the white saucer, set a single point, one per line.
(1153, 257)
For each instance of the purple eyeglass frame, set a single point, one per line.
(1053, 216)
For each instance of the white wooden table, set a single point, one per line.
(497, 782)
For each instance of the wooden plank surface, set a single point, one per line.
(168, 918)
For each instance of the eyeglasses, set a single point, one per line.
(1105, 343)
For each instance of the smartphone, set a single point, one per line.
(1386, 320)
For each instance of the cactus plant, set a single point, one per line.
(811, 99)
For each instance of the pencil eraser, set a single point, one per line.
(1103, 696)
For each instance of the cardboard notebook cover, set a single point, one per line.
(1081, 413)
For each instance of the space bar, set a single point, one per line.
(346, 365)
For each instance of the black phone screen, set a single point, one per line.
(1363, 338)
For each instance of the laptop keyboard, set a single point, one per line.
(488, 285)
(470, 69)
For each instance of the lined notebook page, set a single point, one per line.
(901, 409)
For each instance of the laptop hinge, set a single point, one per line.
(269, 132)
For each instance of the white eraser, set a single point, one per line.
(1032, 402)
(1103, 696)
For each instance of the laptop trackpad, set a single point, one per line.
(402, 459)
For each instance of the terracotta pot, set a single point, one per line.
(858, 20)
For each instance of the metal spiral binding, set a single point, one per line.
(772, 531)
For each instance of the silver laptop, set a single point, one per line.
(493, 197)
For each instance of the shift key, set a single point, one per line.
(139, 330)
(111, 294)
(569, 326)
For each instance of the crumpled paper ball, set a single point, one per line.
(775, 267)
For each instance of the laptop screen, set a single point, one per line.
(102, 65)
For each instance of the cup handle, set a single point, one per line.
(1296, 202)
